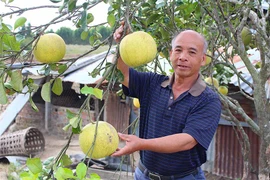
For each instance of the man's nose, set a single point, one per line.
(183, 56)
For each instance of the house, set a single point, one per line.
(52, 116)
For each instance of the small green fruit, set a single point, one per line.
(246, 36)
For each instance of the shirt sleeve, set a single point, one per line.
(203, 121)
(139, 83)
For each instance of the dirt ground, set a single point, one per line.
(54, 144)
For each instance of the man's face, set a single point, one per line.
(187, 54)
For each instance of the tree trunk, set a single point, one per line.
(264, 167)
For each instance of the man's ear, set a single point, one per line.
(203, 62)
(170, 53)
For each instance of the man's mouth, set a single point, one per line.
(182, 66)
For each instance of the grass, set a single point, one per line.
(74, 50)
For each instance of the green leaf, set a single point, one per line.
(10, 43)
(8, 85)
(53, 66)
(84, 20)
(92, 40)
(74, 121)
(152, 19)
(33, 105)
(81, 170)
(70, 114)
(34, 165)
(111, 20)
(57, 86)
(66, 127)
(28, 176)
(3, 99)
(64, 173)
(77, 130)
(94, 176)
(90, 18)
(94, 91)
(71, 5)
(62, 68)
(31, 85)
(16, 80)
(46, 92)
(87, 90)
(19, 22)
(66, 161)
(98, 93)
(84, 35)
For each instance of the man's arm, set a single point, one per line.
(125, 71)
(120, 64)
(167, 144)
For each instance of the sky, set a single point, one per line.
(43, 16)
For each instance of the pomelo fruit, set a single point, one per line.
(223, 90)
(50, 48)
(136, 102)
(246, 36)
(212, 82)
(208, 59)
(106, 143)
(138, 48)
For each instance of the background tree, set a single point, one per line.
(222, 23)
(66, 34)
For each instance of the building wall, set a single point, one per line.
(59, 120)
(27, 117)
(228, 160)
(117, 113)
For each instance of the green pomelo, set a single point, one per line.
(246, 36)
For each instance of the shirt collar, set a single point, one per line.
(196, 90)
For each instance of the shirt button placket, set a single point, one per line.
(171, 101)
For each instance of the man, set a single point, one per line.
(178, 115)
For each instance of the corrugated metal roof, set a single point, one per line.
(82, 75)
(254, 57)
(77, 72)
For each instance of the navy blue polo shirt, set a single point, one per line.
(195, 112)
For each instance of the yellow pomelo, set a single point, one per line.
(246, 36)
(106, 143)
(50, 48)
(137, 49)
(212, 82)
(208, 59)
(223, 90)
(136, 102)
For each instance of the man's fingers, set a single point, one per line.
(122, 23)
(123, 137)
(116, 153)
(118, 33)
